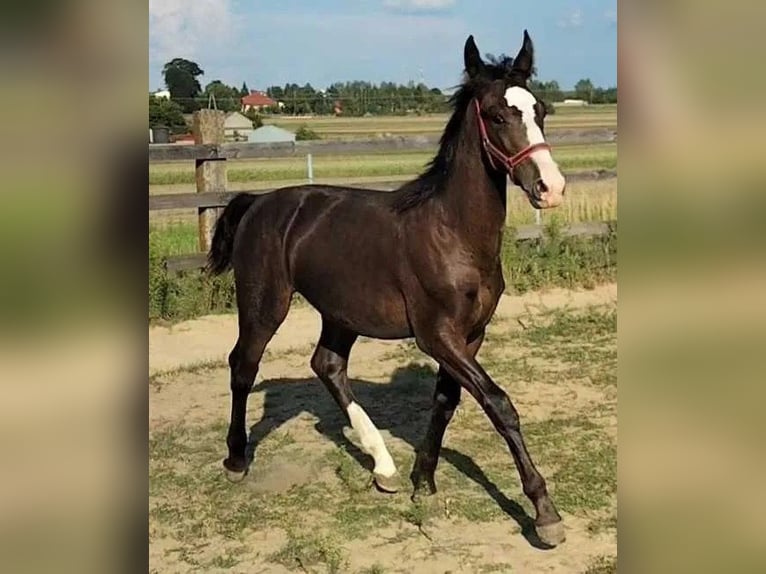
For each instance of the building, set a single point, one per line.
(270, 134)
(256, 100)
(237, 127)
(572, 103)
(162, 94)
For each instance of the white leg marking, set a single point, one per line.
(372, 442)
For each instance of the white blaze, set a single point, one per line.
(524, 101)
(372, 442)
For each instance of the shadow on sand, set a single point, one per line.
(402, 407)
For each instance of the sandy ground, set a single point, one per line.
(288, 398)
(211, 338)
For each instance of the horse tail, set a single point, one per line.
(219, 257)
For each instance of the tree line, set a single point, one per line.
(355, 98)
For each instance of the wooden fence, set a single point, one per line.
(210, 154)
(391, 144)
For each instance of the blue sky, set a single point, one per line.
(322, 41)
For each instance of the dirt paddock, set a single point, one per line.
(308, 504)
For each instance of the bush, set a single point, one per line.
(306, 133)
(167, 113)
(558, 260)
(187, 294)
(254, 117)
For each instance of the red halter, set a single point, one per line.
(495, 153)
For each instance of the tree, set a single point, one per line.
(166, 113)
(584, 90)
(551, 91)
(254, 117)
(181, 81)
(244, 91)
(227, 98)
(275, 93)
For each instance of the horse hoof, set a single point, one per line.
(422, 494)
(551, 534)
(388, 484)
(234, 476)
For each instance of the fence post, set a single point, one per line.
(310, 167)
(210, 174)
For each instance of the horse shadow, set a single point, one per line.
(402, 407)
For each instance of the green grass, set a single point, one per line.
(157, 378)
(603, 565)
(307, 552)
(589, 327)
(184, 295)
(173, 240)
(397, 165)
(558, 260)
(586, 461)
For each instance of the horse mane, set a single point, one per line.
(429, 183)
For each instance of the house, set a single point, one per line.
(256, 100)
(162, 94)
(572, 103)
(270, 134)
(237, 127)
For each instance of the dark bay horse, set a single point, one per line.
(422, 261)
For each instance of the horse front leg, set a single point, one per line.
(456, 358)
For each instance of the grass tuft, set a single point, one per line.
(584, 457)
(603, 565)
(309, 552)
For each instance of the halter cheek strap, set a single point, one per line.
(494, 153)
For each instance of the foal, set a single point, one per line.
(422, 261)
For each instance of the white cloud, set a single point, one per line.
(186, 28)
(418, 5)
(572, 20)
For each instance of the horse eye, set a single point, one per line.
(499, 119)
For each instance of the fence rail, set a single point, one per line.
(164, 201)
(523, 233)
(181, 152)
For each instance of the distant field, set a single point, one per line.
(586, 201)
(350, 128)
(265, 172)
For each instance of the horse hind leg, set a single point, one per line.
(260, 315)
(330, 362)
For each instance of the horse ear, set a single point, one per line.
(524, 61)
(473, 63)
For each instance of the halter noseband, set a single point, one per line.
(509, 162)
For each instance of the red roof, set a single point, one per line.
(257, 99)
